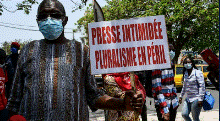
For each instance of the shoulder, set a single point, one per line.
(198, 73)
(30, 44)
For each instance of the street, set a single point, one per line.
(213, 115)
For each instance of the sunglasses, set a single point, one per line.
(52, 15)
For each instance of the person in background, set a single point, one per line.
(53, 80)
(115, 85)
(3, 80)
(194, 87)
(164, 91)
(146, 80)
(11, 64)
(213, 75)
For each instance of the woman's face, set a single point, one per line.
(188, 61)
(188, 64)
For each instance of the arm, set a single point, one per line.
(115, 92)
(201, 84)
(110, 103)
(183, 89)
(131, 102)
(157, 91)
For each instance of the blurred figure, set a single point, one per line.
(213, 61)
(11, 63)
(116, 85)
(164, 91)
(213, 75)
(3, 80)
(194, 87)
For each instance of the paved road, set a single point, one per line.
(212, 115)
(214, 92)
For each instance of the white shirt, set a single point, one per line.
(193, 86)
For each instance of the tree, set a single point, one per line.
(27, 4)
(190, 24)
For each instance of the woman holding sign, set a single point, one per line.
(115, 85)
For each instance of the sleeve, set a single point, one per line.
(201, 84)
(17, 86)
(112, 88)
(157, 91)
(183, 89)
(91, 90)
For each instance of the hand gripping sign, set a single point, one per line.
(128, 45)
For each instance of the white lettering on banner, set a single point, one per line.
(128, 45)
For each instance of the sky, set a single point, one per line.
(19, 19)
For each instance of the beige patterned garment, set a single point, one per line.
(112, 89)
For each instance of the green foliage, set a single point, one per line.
(190, 24)
(26, 6)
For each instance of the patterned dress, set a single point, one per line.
(114, 89)
(53, 82)
(164, 90)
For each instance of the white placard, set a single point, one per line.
(128, 45)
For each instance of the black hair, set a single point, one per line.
(58, 4)
(193, 64)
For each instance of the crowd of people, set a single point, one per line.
(50, 80)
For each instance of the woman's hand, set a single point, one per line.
(180, 100)
(133, 101)
(166, 116)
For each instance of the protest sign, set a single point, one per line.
(128, 45)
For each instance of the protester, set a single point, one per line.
(115, 85)
(164, 92)
(194, 87)
(11, 63)
(3, 80)
(53, 81)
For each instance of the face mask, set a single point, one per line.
(14, 50)
(172, 54)
(51, 28)
(188, 66)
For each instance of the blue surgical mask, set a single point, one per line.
(51, 28)
(188, 66)
(14, 50)
(172, 55)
